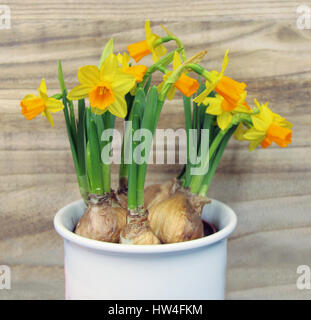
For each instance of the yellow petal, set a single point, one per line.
(106, 52)
(88, 75)
(48, 115)
(29, 97)
(119, 107)
(42, 87)
(254, 134)
(43, 95)
(79, 92)
(42, 90)
(176, 61)
(148, 30)
(123, 83)
(109, 68)
(158, 52)
(223, 120)
(123, 60)
(126, 58)
(266, 113)
(171, 93)
(239, 132)
(214, 105)
(201, 97)
(120, 58)
(54, 105)
(259, 123)
(257, 103)
(225, 62)
(160, 86)
(253, 145)
(242, 109)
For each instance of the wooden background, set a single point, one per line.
(269, 189)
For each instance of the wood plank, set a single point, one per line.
(269, 189)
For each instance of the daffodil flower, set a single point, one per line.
(188, 86)
(32, 105)
(141, 49)
(229, 99)
(213, 79)
(268, 127)
(137, 72)
(105, 87)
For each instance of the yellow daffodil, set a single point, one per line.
(105, 87)
(141, 49)
(188, 86)
(229, 99)
(268, 127)
(32, 105)
(213, 79)
(136, 71)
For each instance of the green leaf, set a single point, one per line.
(94, 159)
(132, 173)
(140, 95)
(149, 122)
(61, 78)
(81, 136)
(147, 85)
(70, 138)
(187, 112)
(106, 52)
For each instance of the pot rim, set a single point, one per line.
(142, 249)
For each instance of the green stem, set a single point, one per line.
(214, 162)
(81, 139)
(148, 122)
(123, 169)
(106, 176)
(197, 180)
(132, 175)
(76, 136)
(94, 163)
(178, 42)
(187, 112)
(83, 187)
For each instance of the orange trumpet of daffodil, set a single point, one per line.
(137, 72)
(229, 99)
(105, 87)
(268, 127)
(142, 48)
(214, 78)
(32, 105)
(186, 85)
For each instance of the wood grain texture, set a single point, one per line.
(269, 189)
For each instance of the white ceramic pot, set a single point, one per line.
(188, 270)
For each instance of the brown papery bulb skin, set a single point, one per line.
(157, 193)
(103, 219)
(178, 218)
(122, 198)
(122, 193)
(138, 231)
